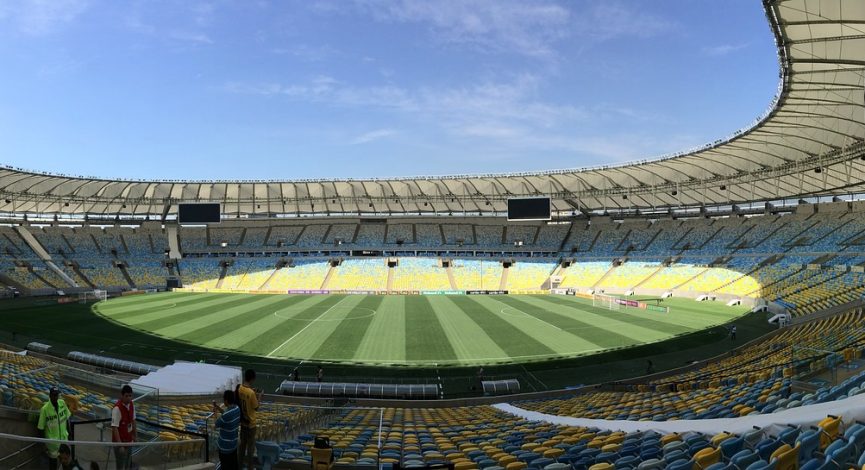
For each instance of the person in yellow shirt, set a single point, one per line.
(248, 400)
(54, 424)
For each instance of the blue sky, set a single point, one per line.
(359, 88)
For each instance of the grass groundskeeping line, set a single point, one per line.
(551, 340)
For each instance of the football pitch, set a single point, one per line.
(421, 331)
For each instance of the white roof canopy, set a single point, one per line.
(811, 142)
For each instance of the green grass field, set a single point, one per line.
(422, 331)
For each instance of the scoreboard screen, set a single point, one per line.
(530, 208)
(199, 213)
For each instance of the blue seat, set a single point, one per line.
(268, 453)
(628, 461)
(682, 464)
(675, 455)
(844, 455)
(762, 465)
(744, 458)
(608, 457)
(731, 446)
(767, 446)
(541, 462)
(789, 435)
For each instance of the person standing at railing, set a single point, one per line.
(123, 428)
(248, 400)
(228, 424)
(54, 424)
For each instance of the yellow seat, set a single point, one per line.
(670, 438)
(602, 466)
(465, 465)
(706, 457)
(507, 460)
(786, 457)
(717, 439)
(554, 453)
(516, 466)
(830, 427)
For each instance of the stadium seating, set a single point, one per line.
(305, 274)
(529, 274)
(370, 235)
(806, 262)
(415, 274)
(477, 274)
(584, 275)
(359, 274)
(341, 232)
(757, 380)
(458, 234)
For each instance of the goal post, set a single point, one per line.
(95, 295)
(605, 301)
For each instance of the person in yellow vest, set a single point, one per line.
(54, 424)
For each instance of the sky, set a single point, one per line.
(304, 89)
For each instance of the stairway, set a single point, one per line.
(222, 273)
(329, 275)
(39, 276)
(266, 284)
(390, 274)
(691, 279)
(127, 276)
(451, 278)
(77, 270)
(503, 284)
(609, 271)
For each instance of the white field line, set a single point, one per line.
(502, 311)
(312, 322)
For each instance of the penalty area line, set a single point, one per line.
(311, 322)
(502, 311)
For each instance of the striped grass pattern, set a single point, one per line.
(407, 330)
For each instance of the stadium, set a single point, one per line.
(703, 310)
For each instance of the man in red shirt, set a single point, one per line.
(123, 427)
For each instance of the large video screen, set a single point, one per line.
(530, 208)
(198, 213)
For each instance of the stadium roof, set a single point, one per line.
(810, 142)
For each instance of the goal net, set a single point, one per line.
(605, 301)
(92, 296)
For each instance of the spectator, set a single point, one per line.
(650, 367)
(295, 375)
(54, 424)
(123, 428)
(319, 374)
(247, 400)
(733, 333)
(229, 426)
(66, 460)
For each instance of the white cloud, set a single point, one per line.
(532, 29)
(611, 19)
(41, 17)
(307, 52)
(187, 23)
(723, 49)
(190, 36)
(529, 29)
(487, 102)
(373, 136)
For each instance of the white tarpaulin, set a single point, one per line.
(192, 378)
(851, 409)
